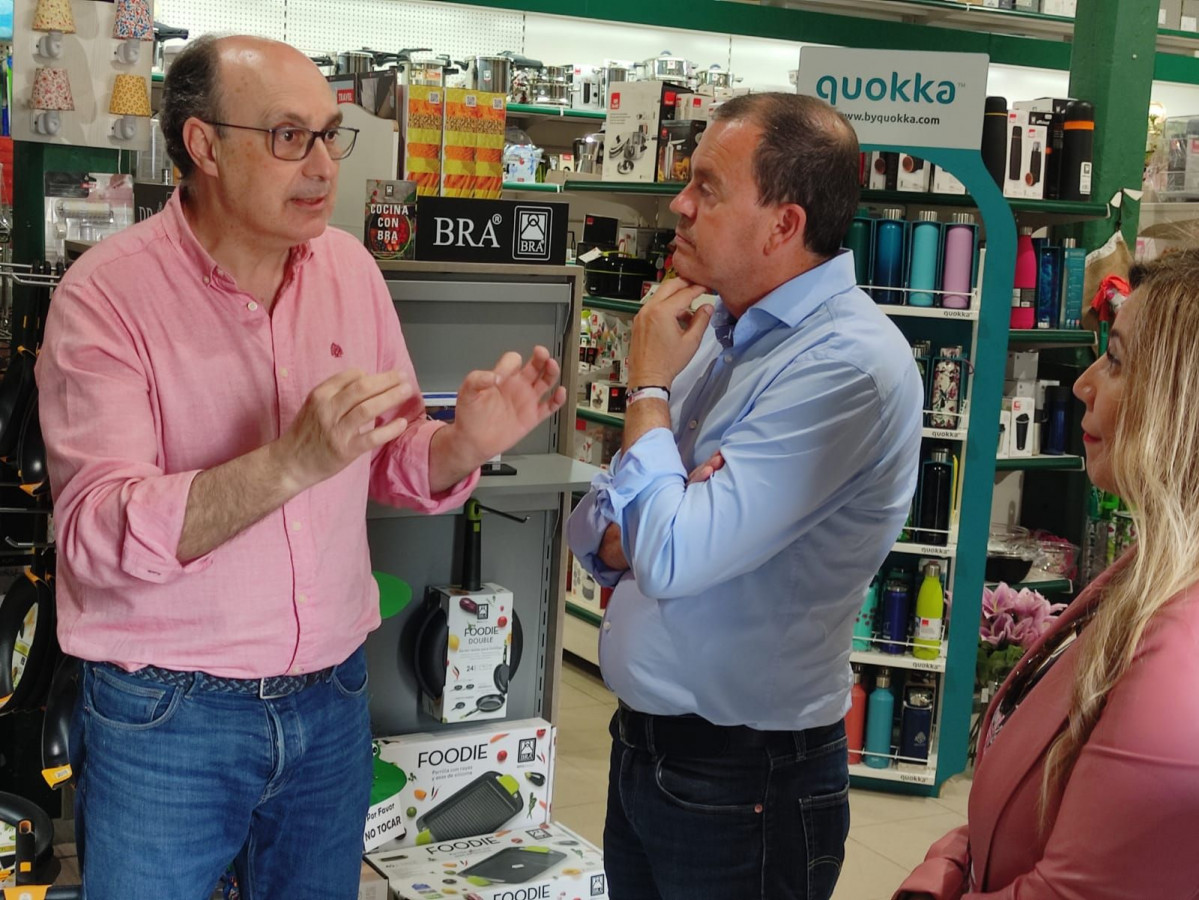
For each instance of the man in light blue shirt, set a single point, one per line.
(796, 406)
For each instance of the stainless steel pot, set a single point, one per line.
(589, 153)
(610, 75)
(548, 93)
(665, 67)
(355, 62)
(557, 74)
(489, 73)
(715, 78)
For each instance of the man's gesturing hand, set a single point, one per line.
(666, 333)
(339, 422)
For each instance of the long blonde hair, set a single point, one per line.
(1155, 468)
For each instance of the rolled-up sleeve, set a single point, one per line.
(585, 530)
(117, 514)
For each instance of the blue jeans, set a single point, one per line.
(175, 783)
(699, 812)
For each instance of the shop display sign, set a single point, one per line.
(900, 97)
(450, 229)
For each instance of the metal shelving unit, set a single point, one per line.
(1042, 463)
(520, 110)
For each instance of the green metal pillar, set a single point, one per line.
(1112, 66)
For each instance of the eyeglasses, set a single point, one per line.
(292, 143)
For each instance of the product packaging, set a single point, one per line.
(390, 231)
(459, 142)
(490, 120)
(1020, 435)
(480, 633)
(884, 171)
(913, 175)
(1189, 16)
(676, 145)
(1029, 5)
(545, 863)
(1064, 8)
(421, 116)
(372, 884)
(608, 397)
(636, 110)
(1050, 112)
(1169, 15)
(693, 107)
(455, 784)
(946, 183)
(1026, 157)
(1005, 425)
(1074, 265)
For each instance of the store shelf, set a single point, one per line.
(1042, 337)
(1048, 584)
(613, 420)
(929, 312)
(905, 773)
(1040, 463)
(534, 186)
(944, 434)
(583, 613)
(1048, 209)
(661, 189)
(554, 112)
(898, 660)
(947, 552)
(612, 305)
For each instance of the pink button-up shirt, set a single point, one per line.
(156, 366)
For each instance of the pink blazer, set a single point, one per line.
(1127, 824)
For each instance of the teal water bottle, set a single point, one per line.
(863, 625)
(857, 240)
(926, 241)
(880, 711)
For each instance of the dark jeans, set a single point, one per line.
(175, 782)
(698, 811)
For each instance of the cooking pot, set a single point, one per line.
(714, 78)
(589, 153)
(618, 277)
(610, 75)
(355, 62)
(665, 67)
(550, 93)
(557, 74)
(488, 73)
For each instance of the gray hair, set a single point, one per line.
(191, 90)
(808, 155)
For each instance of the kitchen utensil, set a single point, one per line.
(665, 67)
(589, 153)
(488, 73)
(481, 807)
(618, 277)
(514, 865)
(355, 62)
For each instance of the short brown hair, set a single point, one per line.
(808, 155)
(191, 90)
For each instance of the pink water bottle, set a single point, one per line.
(1024, 288)
(959, 261)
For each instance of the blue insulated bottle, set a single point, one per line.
(880, 712)
(922, 277)
(896, 609)
(916, 723)
(888, 256)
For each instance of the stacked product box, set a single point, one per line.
(421, 114)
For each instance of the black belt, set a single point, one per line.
(695, 736)
(269, 688)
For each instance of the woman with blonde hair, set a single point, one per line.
(1087, 780)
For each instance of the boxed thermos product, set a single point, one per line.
(676, 145)
(913, 174)
(546, 863)
(1169, 14)
(884, 170)
(421, 111)
(946, 183)
(1188, 19)
(1020, 434)
(390, 231)
(479, 628)
(693, 107)
(609, 396)
(455, 784)
(1026, 157)
(636, 109)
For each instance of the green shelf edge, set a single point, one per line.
(579, 612)
(612, 304)
(1054, 585)
(533, 186)
(1074, 209)
(1040, 463)
(658, 188)
(1080, 336)
(554, 112)
(599, 418)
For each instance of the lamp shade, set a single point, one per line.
(54, 15)
(130, 97)
(52, 90)
(133, 21)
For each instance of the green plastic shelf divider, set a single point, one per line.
(533, 186)
(1072, 209)
(581, 612)
(1072, 336)
(554, 112)
(612, 305)
(1029, 463)
(1049, 585)
(657, 188)
(599, 418)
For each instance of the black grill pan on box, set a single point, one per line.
(513, 865)
(483, 806)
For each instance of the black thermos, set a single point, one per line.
(1078, 147)
(935, 485)
(1015, 154)
(994, 146)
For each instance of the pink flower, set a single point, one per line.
(996, 630)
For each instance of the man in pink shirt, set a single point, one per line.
(222, 388)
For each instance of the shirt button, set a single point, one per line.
(295, 526)
(283, 373)
(207, 280)
(303, 598)
(607, 626)
(728, 357)
(693, 424)
(252, 306)
(297, 670)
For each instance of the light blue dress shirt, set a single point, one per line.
(740, 603)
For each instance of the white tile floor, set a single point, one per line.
(889, 834)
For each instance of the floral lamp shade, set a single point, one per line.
(52, 90)
(54, 15)
(134, 21)
(130, 97)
